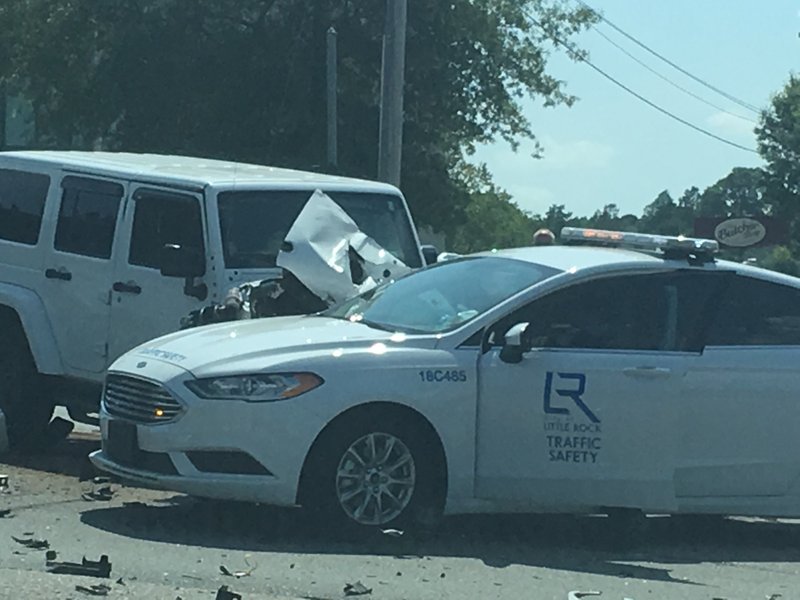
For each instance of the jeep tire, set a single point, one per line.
(27, 411)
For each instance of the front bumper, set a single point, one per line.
(266, 490)
(230, 450)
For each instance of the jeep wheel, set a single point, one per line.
(26, 411)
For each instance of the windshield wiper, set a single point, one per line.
(375, 325)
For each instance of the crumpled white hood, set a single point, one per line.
(320, 240)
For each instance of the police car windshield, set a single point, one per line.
(442, 297)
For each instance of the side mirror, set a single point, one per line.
(516, 344)
(430, 254)
(181, 261)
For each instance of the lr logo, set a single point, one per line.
(574, 393)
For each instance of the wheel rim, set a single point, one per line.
(375, 479)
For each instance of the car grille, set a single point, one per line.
(139, 400)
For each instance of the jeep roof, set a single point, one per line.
(186, 170)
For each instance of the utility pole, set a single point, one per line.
(332, 91)
(390, 137)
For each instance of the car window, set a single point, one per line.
(163, 218)
(87, 217)
(756, 313)
(22, 198)
(383, 218)
(655, 312)
(442, 297)
(255, 223)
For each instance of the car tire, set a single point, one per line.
(376, 470)
(27, 413)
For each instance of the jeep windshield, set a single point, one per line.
(442, 297)
(255, 223)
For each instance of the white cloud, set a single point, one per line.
(533, 182)
(731, 125)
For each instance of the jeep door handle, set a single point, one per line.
(62, 274)
(648, 372)
(126, 288)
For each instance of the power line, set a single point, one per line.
(699, 80)
(575, 53)
(668, 80)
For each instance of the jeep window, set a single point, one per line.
(757, 313)
(22, 197)
(163, 218)
(88, 216)
(254, 223)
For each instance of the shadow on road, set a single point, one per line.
(588, 545)
(65, 457)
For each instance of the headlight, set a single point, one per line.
(255, 388)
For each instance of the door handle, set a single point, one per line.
(61, 274)
(126, 288)
(648, 372)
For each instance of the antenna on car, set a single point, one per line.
(695, 250)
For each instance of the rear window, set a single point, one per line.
(255, 223)
(757, 313)
(22, 198)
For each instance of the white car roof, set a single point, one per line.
(191, 170)
(565, 258)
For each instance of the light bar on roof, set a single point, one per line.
(638, 241)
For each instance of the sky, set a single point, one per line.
(610, 147)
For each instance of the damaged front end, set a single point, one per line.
(324, 259)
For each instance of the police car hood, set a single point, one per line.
(265, 341)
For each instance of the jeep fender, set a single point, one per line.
(36, 326)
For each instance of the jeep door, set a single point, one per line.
(79, 271)
(587, 418)
(146, 304)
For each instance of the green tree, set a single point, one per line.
(492, 219)
(740, 193)
(690, 200)
(245, 79)
(556, 218)
(609, 218)
(778, 136)
(780, 259)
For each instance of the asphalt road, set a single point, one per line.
(168, 546)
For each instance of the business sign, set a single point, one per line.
(742, 232)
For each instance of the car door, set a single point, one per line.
(587, 417)
(740, 414)
(146, 304)
(79, 271)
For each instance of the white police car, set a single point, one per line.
(554, 378)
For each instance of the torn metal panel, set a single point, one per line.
(325, 259)
(90, 568)
(328, 253)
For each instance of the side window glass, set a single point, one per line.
(756, 313)
(659, 312)
(87, 218)
(163, 218)
(22, 198)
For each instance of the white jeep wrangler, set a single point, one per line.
(100, 252)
